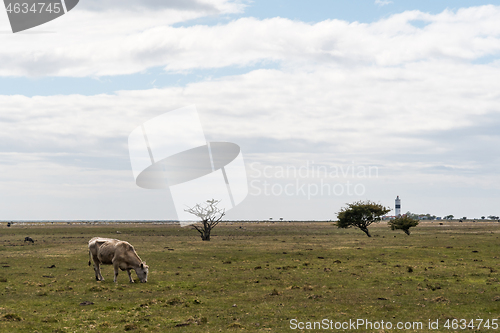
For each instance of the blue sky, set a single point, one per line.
(364, 11)
(407, 87)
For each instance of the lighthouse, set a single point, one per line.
(398, 206)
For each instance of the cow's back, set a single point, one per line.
(106, 252)
(96, 243)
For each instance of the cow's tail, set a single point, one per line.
(90, 257)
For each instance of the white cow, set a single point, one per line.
(118, 253)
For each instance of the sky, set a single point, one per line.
(331, 102)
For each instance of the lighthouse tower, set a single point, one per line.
(398, 206)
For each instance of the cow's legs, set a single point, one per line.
(130, 276)
(100, 274)
(97, 269)
(116, 267)
(96, 272)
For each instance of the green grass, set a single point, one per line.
(254, 277)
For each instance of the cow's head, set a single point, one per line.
(142, 272)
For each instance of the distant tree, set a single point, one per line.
(483, 217)
(449, 217)
(403, 223)
(210, 216)
(360, 215)
(412, 215)
(422, 216)
(493, 217)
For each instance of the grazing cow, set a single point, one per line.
(118, 253)
(29, 239)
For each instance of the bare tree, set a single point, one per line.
(210, 216)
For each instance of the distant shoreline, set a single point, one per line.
(145, 221)
(170, 222)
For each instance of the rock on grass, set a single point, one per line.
(130, 327)
(193, 320)
(275, 293)
(440, 299)
(236, 325)
(11, 317)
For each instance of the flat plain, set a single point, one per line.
(252, 277)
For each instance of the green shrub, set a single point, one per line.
(403, 223)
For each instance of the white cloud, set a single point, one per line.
(202, 6)
(422, 124)
(363, 108)
(138, 41)
(382, 2)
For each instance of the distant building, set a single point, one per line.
(398, 206)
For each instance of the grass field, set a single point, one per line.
(251, 277)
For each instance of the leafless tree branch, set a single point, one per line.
(210, 216)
